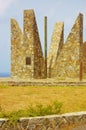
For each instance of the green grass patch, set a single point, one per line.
(32, 111)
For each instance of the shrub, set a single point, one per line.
(40, 110)
(32, 111)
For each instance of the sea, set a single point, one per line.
(4, 74)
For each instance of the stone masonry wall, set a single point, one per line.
(16, 49)
(39, 82)
(33, 46)
(55, 47)
(72, 121)
(68, 62)
(83, 60)
(28, 60)
(64, 60)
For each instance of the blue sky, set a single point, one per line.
(55, 10)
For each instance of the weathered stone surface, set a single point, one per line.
(68, 62)
(72, 121)
(64, 61)
(32, 41)
(2, 121)
(40, 82)
(83, 60)
(26, 52)
(55, 47)
(16, 49)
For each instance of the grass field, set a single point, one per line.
(19, 98)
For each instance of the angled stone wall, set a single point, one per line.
(16, 49)
(83, 60)
(64, 60)
(27, 57)
(33, 45)
(57, 41)
(68, 62)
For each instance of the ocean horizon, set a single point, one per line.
(5, 74)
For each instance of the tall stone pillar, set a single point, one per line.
(68, 62)
(56, 45)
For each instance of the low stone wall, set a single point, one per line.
(40, 83)
(72, 121)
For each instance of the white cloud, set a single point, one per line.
(4, 5)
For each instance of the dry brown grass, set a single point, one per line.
(16, 98)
